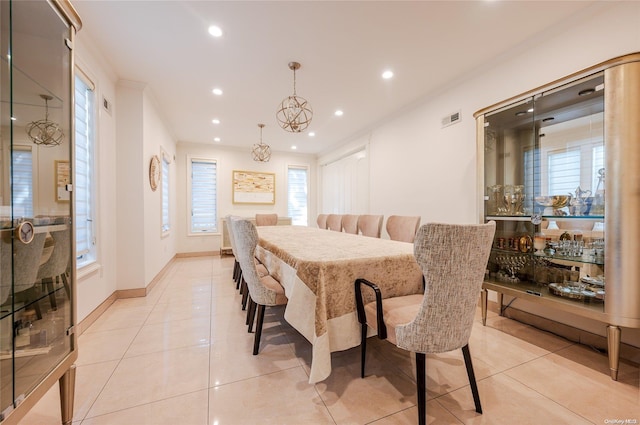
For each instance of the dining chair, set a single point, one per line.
(370, 225)
(402, 228)
(26, 259)
(263, 290)
(56, 266)
(334, 222)
(266, 219)
(453, 259)
(350, 223)
(322, 221)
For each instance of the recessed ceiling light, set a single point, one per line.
(312, 134)
(338, 113)
(215, 31)
(530, 110)
(586, 92)
(215, 121)
(13, 118)
(216, 139)
(294, 147)
(387, 74)
(217, 91)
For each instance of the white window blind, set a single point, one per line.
(22, 181)
(564, 171)
(598, 163)
(84, 170)
(204, 210)
(297, 196)
(165, 195)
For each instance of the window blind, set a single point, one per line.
(22, 181)
(204, 210)
(564, 171)
(83, 170)
(297, 196)
(165, 195)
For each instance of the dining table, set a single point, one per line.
(318, 268)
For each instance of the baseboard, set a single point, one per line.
(97, 312)
(198, 254)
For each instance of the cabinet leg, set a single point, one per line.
(500, 299)
(67, 385)
(613, 342)
(483, 306)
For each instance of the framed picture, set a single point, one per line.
(250, 187)
(62, 179)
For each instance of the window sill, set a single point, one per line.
(87, 270)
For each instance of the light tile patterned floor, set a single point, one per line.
(182, 355)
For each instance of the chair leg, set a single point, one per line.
(251, 312)
(65, 282)
(422, 387)
(363, 347)
(472, 378)
(245, 293)
(51, 290)
(239, 279)
(236, 265)
(256, 341)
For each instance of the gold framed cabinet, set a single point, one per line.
(559, 172)
(37, 287)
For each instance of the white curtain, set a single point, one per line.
(345, 184)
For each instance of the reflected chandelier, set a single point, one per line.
(294, 113)
(261, 152)
(45, 132)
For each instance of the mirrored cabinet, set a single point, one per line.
(37, 262)
(560, 176)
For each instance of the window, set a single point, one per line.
(22, 181)
(166, 224)
(84, 171)
(297, 198)
(564, 171)
(203, 192)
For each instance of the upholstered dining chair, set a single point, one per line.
(266, 219)
(263, 290)
(56, 266)
(334, 222)
(453, 259)
(402, 228)
(322, 221)
(370, 225)
(350, 223)
(237, 272)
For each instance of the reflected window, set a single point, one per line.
(22, 181)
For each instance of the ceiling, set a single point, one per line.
(343, 47)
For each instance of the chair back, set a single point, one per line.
(60, 257)
(231, 235)
(322, 221)
(334, 222)
(370, 225)
(246, 237)
(26, 259)
(350, 223)
(453, 259)
(402, 228)
(266, 219)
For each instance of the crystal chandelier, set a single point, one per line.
(294, 113)
(261, 152)
(45, 132)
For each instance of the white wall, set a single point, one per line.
(417, 167)
(229, 159)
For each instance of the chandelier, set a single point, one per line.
(294, 113)
(45, 132)
(261, 152)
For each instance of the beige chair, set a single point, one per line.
(334, 222)
(350, 223)
(56, 266)
(266, 219)
(453, 259)
(370, 225)
(263, 290)
(322, 221)
(402, 228)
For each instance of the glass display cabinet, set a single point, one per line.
(560, 174)
(37, 268)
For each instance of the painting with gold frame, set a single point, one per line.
(62, 179)
(251, 187)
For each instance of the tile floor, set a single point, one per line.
(182, 355)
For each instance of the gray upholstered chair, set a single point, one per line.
(266, 219)
(370, 225)
(56, 266)
(26, 258)
(402, 228)
(453, 259)
(350, 223)
(263, 290)
(322, 221)
(334, 222)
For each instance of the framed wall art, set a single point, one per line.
(251, 187)
(62, 178)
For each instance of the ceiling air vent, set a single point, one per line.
(451, 119)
